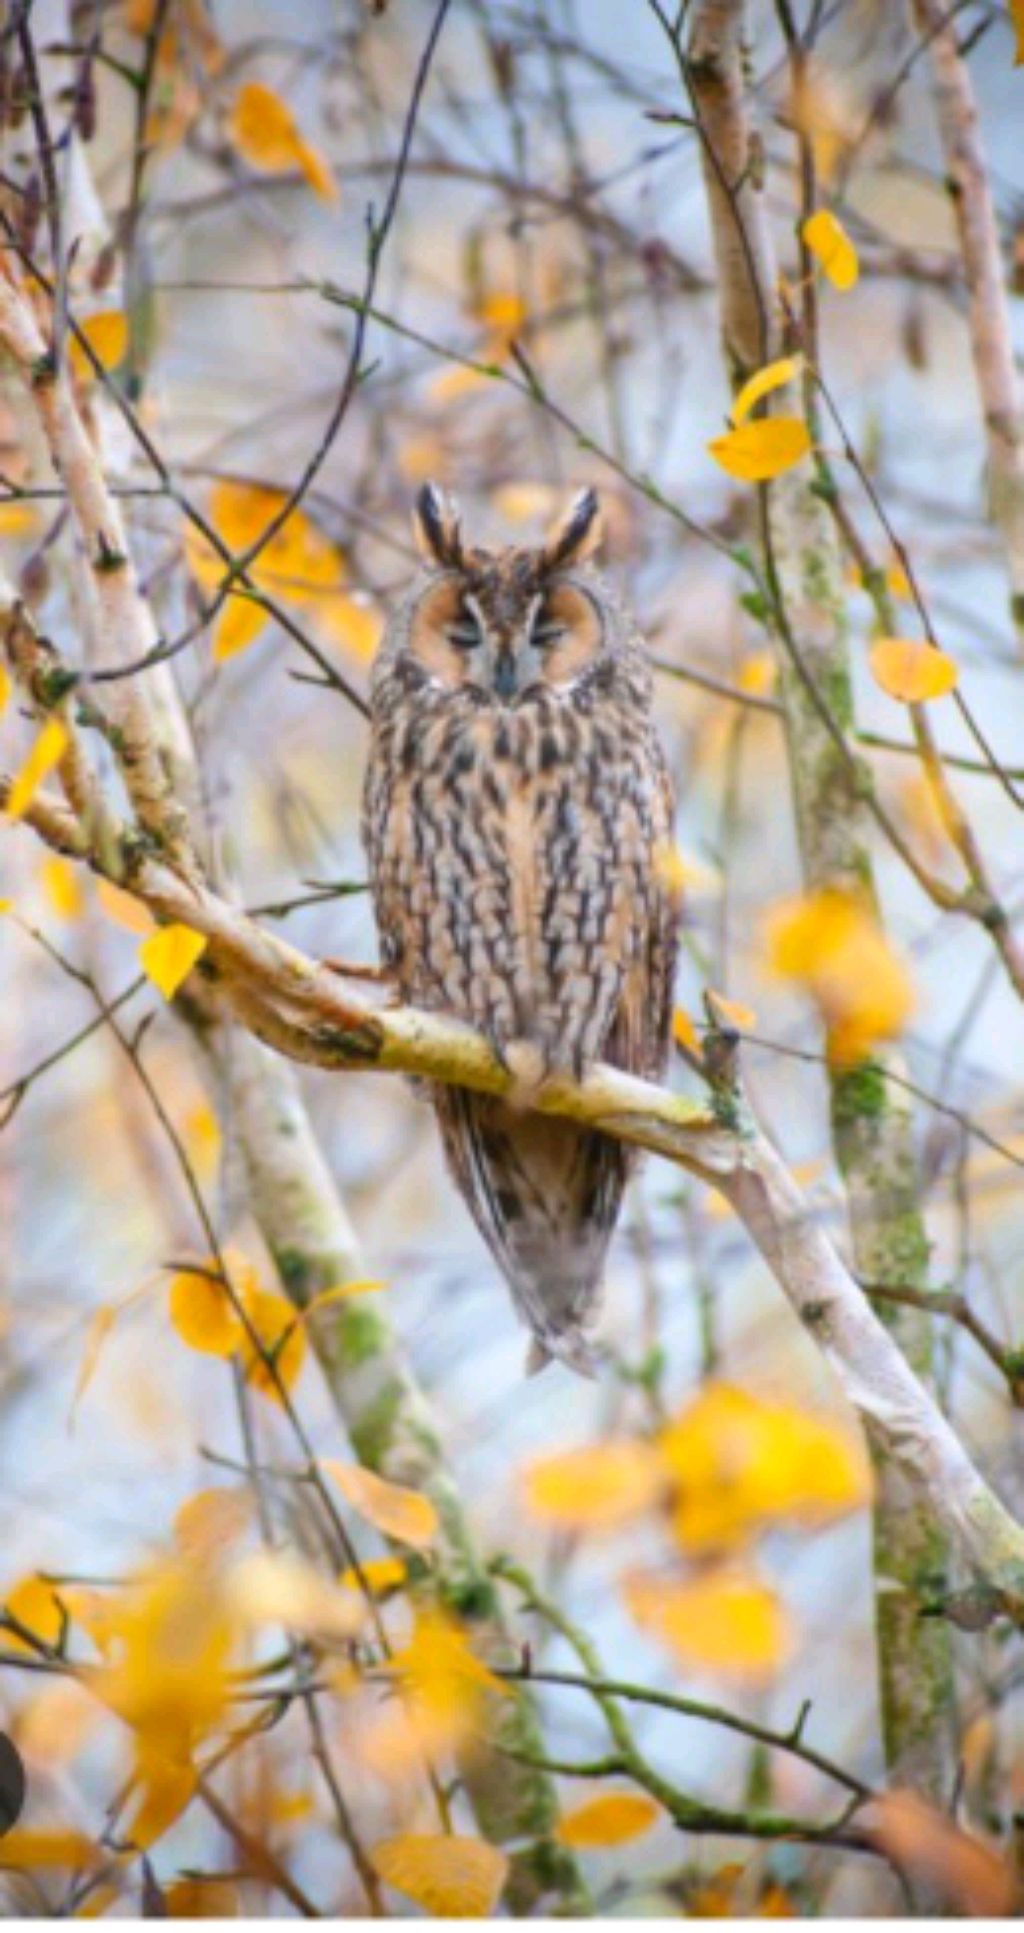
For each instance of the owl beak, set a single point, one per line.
(505, 679)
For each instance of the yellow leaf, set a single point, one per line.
(762, 384)
(99, 1329)
(832, 248)
(211, 1520)
(450, 385)
(48, 750)
(597, 1488)
(5, 689)
(26, 1849)
(610, 1820)
(54, 1725)
(167, 1672)
(445, 1692)
(274, 1368)
(503, 311)
(201, 1311)
(739, 1464)
(201, 1134)
(758, 674)
(830, 944)
(123, 909)
(355, 626)
(265, 133)
(1017, 17)
(16, 520)
(36, 1605)
(107, 336)
(381, 1575)
(165, 1789)
(271, 1587)
(207, 1898)
(168, 956)
(451, 1877)
(62, 887)
(672, 868)
(238, 623)
(684, 1033)
(722, 1621)
(391, 1508)
(912, 670)
(519, 503)
(755, 452)
(342, 1293)
(733, 1012)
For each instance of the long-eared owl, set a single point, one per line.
(515, 810)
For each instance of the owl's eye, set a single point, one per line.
(465, 633)
(546, 630)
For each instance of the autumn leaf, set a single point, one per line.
(758, 674)
(342, 1292)
(593, 1489)
(36, 1606)
(450, 1876)
(16, 520)
(62, 886)
(5, 689)
(99, 1329)
(721, 1621)
(380, 1575)
(168, 956)
(912, 670)
(352, 624)
(211, 1521)
(762, 383)
(274, 1367)
(521, 503)
(163, 1790)
(299, 564)
(203, 1314)
(202, 1898)
(829, 943)
(732, 1013)
(123, 909)
(444, 1689)
(832, 249)
(391, 1508)
(274, 1587)
(107, 336)
(738, 1464)
(28, 1849)
(238, 624)
(166, 1672)
(612, 1819)
(756, 452)
(684, 1031)
(48, 750)
(264, 130)
(1017, 17)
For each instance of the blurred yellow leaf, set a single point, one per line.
(210, 1521)
(733, 1012)
(684, 1032)
(37, 1607)
(265, 133)
(164, 1789)
(355, 626)
(48, 750)
(739, 1464)
(52, 1727)
(451, 384)
(756, 452)
(912, 670)
(206, 1898)
(392, 1509)
(343, 1292)
(721, 1621)
(101, 1324)
(166, 1673)
(168, 956)
(597, 1488)
(832, 248)
(503, 311)
(451, 1877)
(123, 909)
(612, 1819)
(1017, 17)
(17, 519)
(202, 1138)
(237, 625)
(107, 336)
(758, 674)
(5, 689)
(381, 1575)
(762, 384)
(62, 887)
(831, 945)
(283, 1341)
(274, 1587)
(202, 1312)
(444, 1691)
(421, 458)
(519, 503)
(27, 1849)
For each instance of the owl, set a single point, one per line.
(515, 814)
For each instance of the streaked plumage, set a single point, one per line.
(515, 808)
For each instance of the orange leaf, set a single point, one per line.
(238, 624)
(206, 1898)
(26, 1849)
(832, 249)
(451, 1877)
(912, 670)
(265, 133)
(756, 452)
(722, 1621)
(610, 1820)
(831, 944)
(107, 336)
(684, 1033)
(202, 1313)
(1017, 17)
(597, 1488)
(36, 1605)
(392, 1509)
(279, 1327)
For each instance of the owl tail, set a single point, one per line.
(544, 1194)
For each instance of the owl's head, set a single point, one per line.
(507, 621)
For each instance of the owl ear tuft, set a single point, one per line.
(577, 533)
(437, 529)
